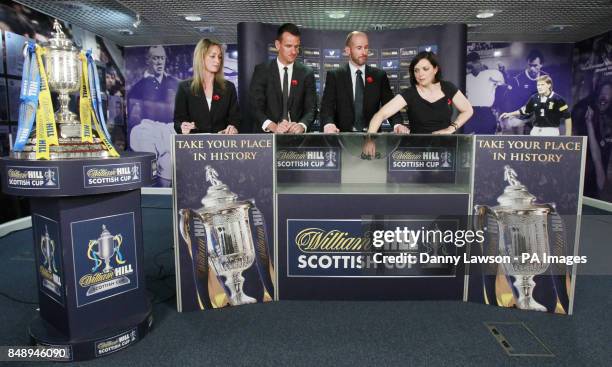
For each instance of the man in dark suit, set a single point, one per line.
(282, 92)
(355, 91)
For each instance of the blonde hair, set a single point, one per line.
(200, 51)
(546, 79)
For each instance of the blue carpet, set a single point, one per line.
(324, 333)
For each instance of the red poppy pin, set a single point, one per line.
(216, 97)
(294, 82)
(370, 80)
(449, 101)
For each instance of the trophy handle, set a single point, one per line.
(185, 216)
(52, 244)
(91, 252)
(42, 250)
(118, 257)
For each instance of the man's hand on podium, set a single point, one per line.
(330, 128)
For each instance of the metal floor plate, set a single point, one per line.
(517, 340)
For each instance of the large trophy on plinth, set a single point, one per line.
(229, 247)
(519, 226)
(65, 70)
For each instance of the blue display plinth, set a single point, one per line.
(87, 229)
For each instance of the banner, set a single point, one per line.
(527, 199)
(223, 220)
(500, 77)
(592, 111)
(153, 74)
(346, 246)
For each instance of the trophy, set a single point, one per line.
(47, 247)
(49, 178)
(106, 250)
(229, 242)
(522, 227)
(65, 71)
(330, 158)
(446, 159)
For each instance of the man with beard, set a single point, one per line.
(356, 91)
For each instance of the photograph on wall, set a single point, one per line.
(592, 111)
(223, 216)
(152, 77)
(501, 77)
(527, 198)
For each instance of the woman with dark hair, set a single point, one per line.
(429, 101)
(207, 103)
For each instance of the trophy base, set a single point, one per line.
(68, 148)
(97, 345)
(70, 129)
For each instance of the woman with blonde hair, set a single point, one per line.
(207, 103)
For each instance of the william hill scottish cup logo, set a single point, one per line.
(110, 269)
(112, 174)
(33, 177)
(307, 159)
(421, 159)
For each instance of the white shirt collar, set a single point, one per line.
(281, 67)
(148, 74)
(354, 69)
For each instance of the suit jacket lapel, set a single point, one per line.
(297, 76)
(348, 85)
(367, 91)
(213, 103)
(277, 82)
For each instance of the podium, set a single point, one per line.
(87, 229)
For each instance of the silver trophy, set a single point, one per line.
(330, 158)
(229, 241)
(523, 228)
(446, 159)
(50, 178)
(63, 71)
(47, 247)
(106, 249)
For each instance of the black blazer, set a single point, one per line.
(191, 107)
(266, 96)
(337, 103)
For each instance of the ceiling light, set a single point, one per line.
(193, 18)
(137, 22)
(206, 29)
(126, 32)
(337, 14)
(556, 27)
(485, 14)
(497, 53)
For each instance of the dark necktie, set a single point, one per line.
(285, 95)
(358, 104)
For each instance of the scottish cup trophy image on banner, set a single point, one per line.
(517, 226)
(223, 248)
(42, 134)
(526, 202)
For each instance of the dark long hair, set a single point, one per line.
(431, 57)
